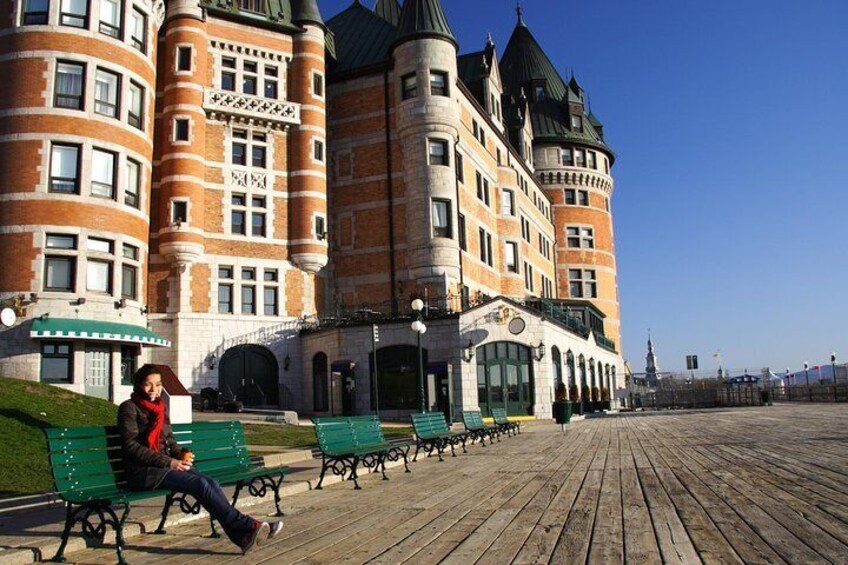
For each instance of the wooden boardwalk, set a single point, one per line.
(746, 485)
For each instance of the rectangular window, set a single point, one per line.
(181, 129)
(239, 154)
(135, 113)
(525, 229)
(64, 168)
(482, 234)
(442, 218)
(270, 275)
(319, 151)
(106, 87)
(74, 13)
(61, 242)
(573, 237)
(103, 173)
(133, 188)
(258, 156)
(257, 226)
(578, 158)
(528, 276)
(129, 276)
(238, 222)
(225, 299)
(438, 152)
(228, 77)
(463, 242)
(583, 283)
(248, 274)
(255, 6)
(138, 30)
(179, 212)
(486, 191)
(439, 84)
(320, 228)
(479, 186)
(567, 157)
(317, 85)
(70, 78)
(129, 252)
(591, 159)
(99, 276)
(59, 273)
(570, 196)
(577, 123)
(57, 364)
(460, 166)
(36, 12)
(248, 300)
(584, 197)
(184, 58)
(270, 82)
(512, 257)
(249, 79)
(508, 203)
(270, 300)
(110, 17)
(129, 363)
(409, 86)
(225, 272)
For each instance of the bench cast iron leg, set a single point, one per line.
(277, 497)
(66, 532)
(417, 447)
(406, 460)
(353, 475)
(323, 470)
(119, 534)
(382, 465)
(169, 500)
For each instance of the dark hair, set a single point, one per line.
(142, 374)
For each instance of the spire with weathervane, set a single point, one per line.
(651, 363)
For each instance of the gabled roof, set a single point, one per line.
(421, 19)
(362, 39)
(389, 10)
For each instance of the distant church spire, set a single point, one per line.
(651, 368)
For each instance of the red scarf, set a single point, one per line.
(156, 411)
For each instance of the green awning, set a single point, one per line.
(94, 330)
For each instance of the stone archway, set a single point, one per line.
(251, 374)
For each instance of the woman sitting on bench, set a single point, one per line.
(153, 460)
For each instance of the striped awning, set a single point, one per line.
(94, 330)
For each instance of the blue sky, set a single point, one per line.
(730, 123)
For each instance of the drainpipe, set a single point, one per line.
(456, 181)
(390, 196)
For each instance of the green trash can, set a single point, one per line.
(562, 412)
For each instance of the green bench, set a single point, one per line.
(478, 429)
(220, 452)
(89, 476)
(432, 433)
(499, 416)
(347, 442)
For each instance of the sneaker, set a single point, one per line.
(276, 528)
(256, 537)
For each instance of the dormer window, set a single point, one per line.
(577, 123)
(255, 6)
(540, 93)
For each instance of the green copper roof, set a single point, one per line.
(304, 11)
(94, 330)
(524, 65)
(423, 18)
(362, 39)
(278, 13)
(389, 10)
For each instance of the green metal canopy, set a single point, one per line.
(94, 330)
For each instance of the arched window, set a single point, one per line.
(556, 360)
(582, 369)
(608, 378)
(593, 383)
(612, 375)
(570, 371)
(559, 178)
(601, 382)
(320, 383)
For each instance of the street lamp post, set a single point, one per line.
(807, 377)
(419, 328)
(833, 366)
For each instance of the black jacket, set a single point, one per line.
(144, 466)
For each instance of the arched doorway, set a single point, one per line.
(505, 378)
(556, 361)
(250, 373)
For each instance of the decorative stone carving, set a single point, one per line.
(250, 109)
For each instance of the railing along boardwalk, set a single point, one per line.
(742, 485)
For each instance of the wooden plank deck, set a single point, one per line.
(744, 485)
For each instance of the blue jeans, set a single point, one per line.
(210, 495)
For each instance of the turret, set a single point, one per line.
(308, 141)
(425, 76)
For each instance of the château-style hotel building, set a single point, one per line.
(242, 190)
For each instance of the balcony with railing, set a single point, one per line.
(226, 104)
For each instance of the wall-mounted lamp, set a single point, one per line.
(80, 300)
(122, 303)
(211, 361)
(33, 297)
(286, 363)
(540, 351)
(145, 309)
(469, 351)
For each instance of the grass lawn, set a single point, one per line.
(300, 436)
(27, 407)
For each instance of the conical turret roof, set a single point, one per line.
(422, 19)
(389, 10)
(306, 11)
(524, 60)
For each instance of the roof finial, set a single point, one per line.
(489, 40)
(520, 12)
